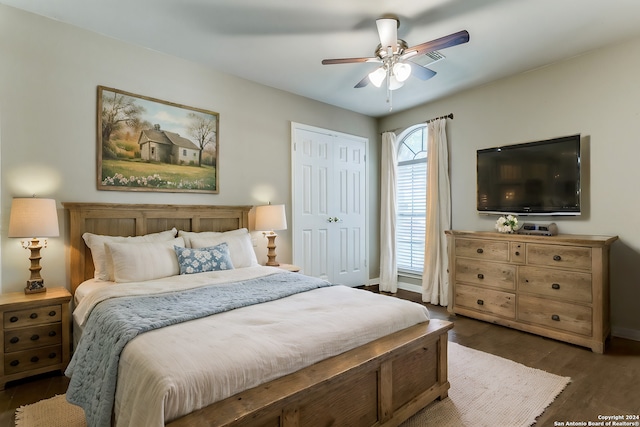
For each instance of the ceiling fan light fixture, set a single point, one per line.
(394, 83)
(402, 71)
(377, 76)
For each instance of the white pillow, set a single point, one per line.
(239, 242)
(188, 235)
(96, 242)
(136, 262)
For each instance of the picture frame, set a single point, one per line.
(146, 144)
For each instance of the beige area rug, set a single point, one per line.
(486, 390)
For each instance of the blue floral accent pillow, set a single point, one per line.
(213, 258)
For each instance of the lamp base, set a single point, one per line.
(271, 246)
(35, 287)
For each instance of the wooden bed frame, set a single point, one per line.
(382, 383)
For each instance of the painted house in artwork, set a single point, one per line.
(162, 146)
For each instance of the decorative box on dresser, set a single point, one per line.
(555, 286)
(36, 333)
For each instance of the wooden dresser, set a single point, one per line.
(555, 286)
(35, 333)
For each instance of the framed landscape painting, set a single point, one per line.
(145, 144)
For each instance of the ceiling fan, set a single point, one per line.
(395, 56)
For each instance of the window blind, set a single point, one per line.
(411, 215)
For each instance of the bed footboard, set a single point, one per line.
(382, 383)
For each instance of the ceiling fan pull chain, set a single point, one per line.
(389, 91)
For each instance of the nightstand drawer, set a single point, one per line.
(38, 336)
(486, 273)
(32, 359)
(32, 316)
(553, 314)
(486, 300)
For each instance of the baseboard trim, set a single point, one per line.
(401, 285)
(410, 287)
(630, 334)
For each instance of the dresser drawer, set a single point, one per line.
(32, 316)
(485, 300)
(567, 317)
(32, 359)
(482, 249)
(559, 256)
(37, 336)
(486, 273)
(557, 284)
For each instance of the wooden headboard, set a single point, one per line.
(135, 220)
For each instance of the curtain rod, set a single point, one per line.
(448, 116)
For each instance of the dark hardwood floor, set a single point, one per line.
(606, 384)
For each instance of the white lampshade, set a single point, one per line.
(394, 83)
(31, 217)
(271, 217)
(402, 71)
(377, 77)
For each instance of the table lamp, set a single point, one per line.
(271, 217)
(34, 219)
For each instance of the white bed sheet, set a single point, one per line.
(170, 372)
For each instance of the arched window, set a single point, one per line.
(412, 199)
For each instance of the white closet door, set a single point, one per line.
(329, 199)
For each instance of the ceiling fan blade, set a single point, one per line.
(437, 44)
(423, 73)
(388, 32)
(363, 82)
(348, 60)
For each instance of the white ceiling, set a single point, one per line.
(280, 43)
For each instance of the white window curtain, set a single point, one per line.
(388, 207)
(435, 280)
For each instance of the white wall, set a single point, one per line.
(596, 95)
(49, 73)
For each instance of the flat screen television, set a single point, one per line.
(535, 178)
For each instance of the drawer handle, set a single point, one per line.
(52, 313)
(14, 363)
(480, 302)
(480, 276)
(35, 359)
(555, 286)
(479, 250)
(555, 317)
(13, 319)
(35, 337)
(52, 355)
(52, 334)
(557, 257)
(517, 253)
(14, 340)
(34, 315)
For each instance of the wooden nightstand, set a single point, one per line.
(35, 332)
(289, 267)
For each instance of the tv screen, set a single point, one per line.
(535, 178)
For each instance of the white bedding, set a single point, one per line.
(169, 372)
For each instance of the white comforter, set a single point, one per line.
(170, 372)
